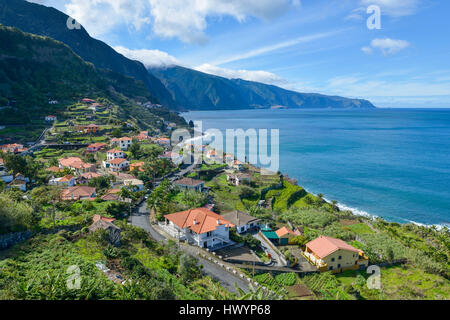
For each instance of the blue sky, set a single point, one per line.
(320, 46)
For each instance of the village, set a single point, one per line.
(225, 213)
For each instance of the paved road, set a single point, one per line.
(140, 218)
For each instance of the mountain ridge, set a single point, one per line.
(177, 87)
(196, 90)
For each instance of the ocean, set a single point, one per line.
(392, 163)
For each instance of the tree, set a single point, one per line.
(159, 199)
(116, 210)
(100, 183)
(116, 133)
(135, 150)
(46, 195)
(15, 163)
(193, 199)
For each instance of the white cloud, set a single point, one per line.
(394, 8)
(250, 75)
(367, 50)
(387, 46)
(150, 58)
(186, 20)
(277, 46)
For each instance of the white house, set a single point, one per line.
(4, 174)
(67, 180)
(200, 226)
(118, 164)
(124, 143)
(114, 154)
(50, 118)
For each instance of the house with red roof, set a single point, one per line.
(124, 143)
(114, 154)
(331, 254)
(78, 193)
(90, 128)
(200, 227)
(76, 164)
(86, 177)
(96, 147)
(67, 180)
(118, 164)
(13, 148)
(50, 118)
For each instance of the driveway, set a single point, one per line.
(140, 218)
(267, 248)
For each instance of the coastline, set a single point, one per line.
(343, 206)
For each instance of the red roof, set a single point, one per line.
(114, 151)
(283, 231)
(324, 246)
(97, 145)
(98, 217)
(200, 220)
(117, 161)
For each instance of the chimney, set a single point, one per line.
(218, 222)
(195, 222)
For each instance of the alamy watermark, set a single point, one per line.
(72, 24)
(374, 20)
(73, 281)
(374, 281)
(214, 147)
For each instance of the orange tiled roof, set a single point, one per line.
(76, 193)
(200, 220)
(283, 231)
(98, 217)
(324, 246)
(73, 162)
(117, 161)
(90, 175)
(114, 151)
(54, 169)
(97, 145)
(66, 178)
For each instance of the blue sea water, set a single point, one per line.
(393, 163)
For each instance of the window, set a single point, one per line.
(339, 265)
(332, 259)
(208, 234)
(330, 268)
(340, 257)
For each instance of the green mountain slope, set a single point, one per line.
(46, 21)
(200, 91)
(35, 69)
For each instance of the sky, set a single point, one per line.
(334, 47)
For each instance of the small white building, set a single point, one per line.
(136, 184)
(124, 143)
(68, 181)
(50, 118)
